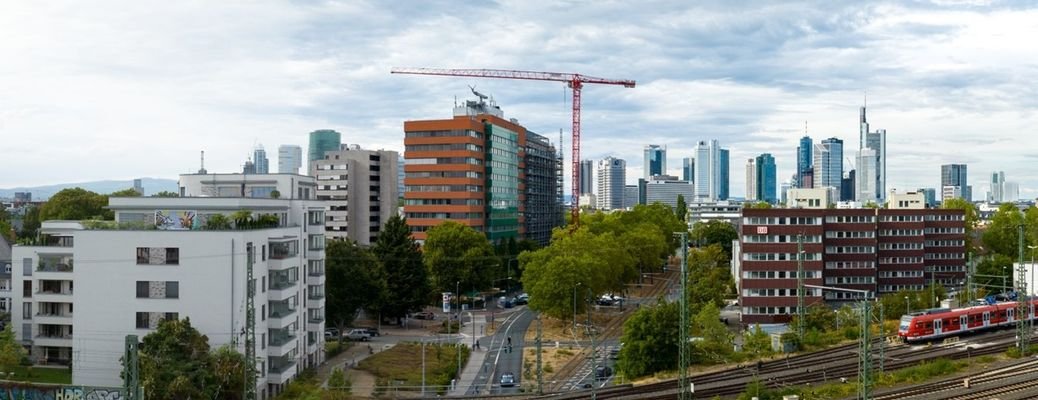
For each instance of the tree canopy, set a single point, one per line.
(125, 193)
(714, 232)
(166, 193)
(175, 363)
(682, 209)
(407, 280)
(75, 204)
(648, 335)
(354, 282)
(1003, 231)
(11, 352)
(458, 255)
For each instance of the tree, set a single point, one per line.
(715, 232)
(682, 208)
(971, 216)
(11, 352)
(659, 215)
(758, 205)
(275, 194)
(649, 333)
(125, 193)
(1003, 231)
(353, 282)
(174, 362)
(30, 222)
(407, 280)
(75, 204)
(457, 253)
(717, 340)
(756, 342)
(217, 222)
(338, 386)
(709, 277)
(166, 193)
(228, 366)
(6, 231)
(644, 243)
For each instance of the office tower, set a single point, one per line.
(707, 171)
(173, 263)
(138, 186)
(666, 189)
(751, 179)
(400, 178)
(998, 183)
(642, 190)
(290, 158)
(543, 188)
(587, 176)
(828, 164)
(848, 186)
(688, 169)
(482, 170)
(1011, 192)
(804, 160)
(322, 140)
(259, 157)
(786, 185)
(359, 188)
(248, 168)
(954, 175)
(930, 195)
(767, 178)
(722, 186)
(655, 161)
(611, 172)
(631, 196)
(872, 166)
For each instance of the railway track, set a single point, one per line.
(1016, 377)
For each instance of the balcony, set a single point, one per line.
(55, 318)
(53, 339)
(281, 313)
(283, 250)
(54, 264)
(281, 341)
(280, 369)
(281, 280)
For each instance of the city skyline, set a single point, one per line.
(939, 83)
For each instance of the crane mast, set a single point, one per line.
(574, 81)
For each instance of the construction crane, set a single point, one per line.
(574, 81)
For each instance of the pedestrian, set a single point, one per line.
(509, 340)
(477, 345)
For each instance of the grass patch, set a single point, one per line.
(333, 348)
(397, 366)
(40, 375)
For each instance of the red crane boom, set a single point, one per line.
(574, 81)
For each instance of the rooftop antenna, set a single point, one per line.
(202, 169)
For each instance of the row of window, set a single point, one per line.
(945, 243)
(447, 133)
(901, 218)
(150, 320)
(900, 274)
(779, 274)
(850, 280)
(900, 232)
(443, 188)
(901, 246)
(833, 295)
(458, 215)
(849, 264)
(443, 147)
(946, 268)
(850, 234)
(768, 310)
(850, 219)
(780, 256)
(850, 249)
(944, 256)
(443, 161)
(782, 221)
(158, 256)
(780, 292)
(897, 288)
(780, 238)
(158, 290)
(445, 174)
(443, 202)
(946, 217)
(945, 230)
(900, 260)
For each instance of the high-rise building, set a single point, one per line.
(171, 262)
(711, 171)
(587, 176)
(751, 179)
(666, 189)
(998, 186)
(290, 159)
(655, 161)
(611, 173)
(248, 168)
(866, 177)
(804, 160)
(138, 186)
(359, 189)
(871, 179)
(954, 175)
(767, 178)
(400, 178)
(631, 195)
(259, 157)
(847, 187)
(828, 164)
(465, 169)
(786, 186)
(543, 185)
(1011, 191)
(723, 175)
(930, 196)
(322, 140)
(688, 169)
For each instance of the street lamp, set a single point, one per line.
(457, 289)
(509, 272)
(1005, 273)
(575, 308)
(908, 308)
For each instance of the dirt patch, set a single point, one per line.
(552, 359)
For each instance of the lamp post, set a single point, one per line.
(457, 288)
(575, 308)
(908, 308)
(1004, 274)
(1030, 308)
(509, 272)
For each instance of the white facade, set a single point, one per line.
(667, 192)
(866, 177)
(751, 179)
(588, 200)
(814, 198)
(89, 286)
(611, 175)
(707, 171)
(715, 211)
(290, 159)
(828, 164)
(906, 201)
(359, 188)
(951, 192)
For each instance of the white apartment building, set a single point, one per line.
(812, 198)
(160, 259)
(611, 175)
(5, 276)
(359, 188)
(906, 201)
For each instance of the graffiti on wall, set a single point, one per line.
(21, 391)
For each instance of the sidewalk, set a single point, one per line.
(473, 368)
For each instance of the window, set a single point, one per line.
(263, 312)
(143, 320)
(26, 311)
(172, 290)
(150, 320)
(158, 256)
(172, 256)
(263, 283)
(263, 253)
(143, 289)
(263, 340)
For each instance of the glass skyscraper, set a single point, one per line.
(322, 140)
(804, 159)
(655, 161)
(766, 178)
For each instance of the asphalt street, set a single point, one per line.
(500, 360)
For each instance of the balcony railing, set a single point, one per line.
(280, 311)
(57, 292)
(54, 314)
(279, 365)
(54, 336)
(315, 271)
(281, 282)
(316, 319)
(280, 337)
(315, 295)
(54, 266)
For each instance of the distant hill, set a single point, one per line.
(151, 186)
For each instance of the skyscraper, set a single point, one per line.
(259, 158)
(804, 160)
(998, 184)
(847, 189)
(688, 169)
(767, 178)
(359, 189)
(707, 171)
(954, 176)
(866, 177)
(321, 141)
(722, 186)
(587, 176)
(655, 161)
(611, 173)
(751, 179)
(872, 166)
(828, 164)
(290, 158)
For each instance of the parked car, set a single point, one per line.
(505, 302)
(360, 335)
(521, 299)
(423, 315)
(373, 332)
(603, 372)
(331, 333)
(507, 379)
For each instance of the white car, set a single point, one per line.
(360, 335)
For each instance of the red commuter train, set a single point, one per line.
(944, 322)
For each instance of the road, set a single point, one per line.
(500, 360)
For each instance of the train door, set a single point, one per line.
(964, 322)
(987, 318)
(1009, 314)
(937, 327)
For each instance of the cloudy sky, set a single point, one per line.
(125, 89)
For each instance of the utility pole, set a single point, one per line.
(800, 287)
(970, 291)
(683, 350)
(131, 370)
(250, 324)
(882, 335)
(423, 367)
(457, 348)
(591, 338)
(865, 352)
(1022, 299)
(540, 376)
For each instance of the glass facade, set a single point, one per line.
(502, 187)
(321, 141)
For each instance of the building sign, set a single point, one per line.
(19, 391)
(446, 302)
(762, 230)
(172, 220)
